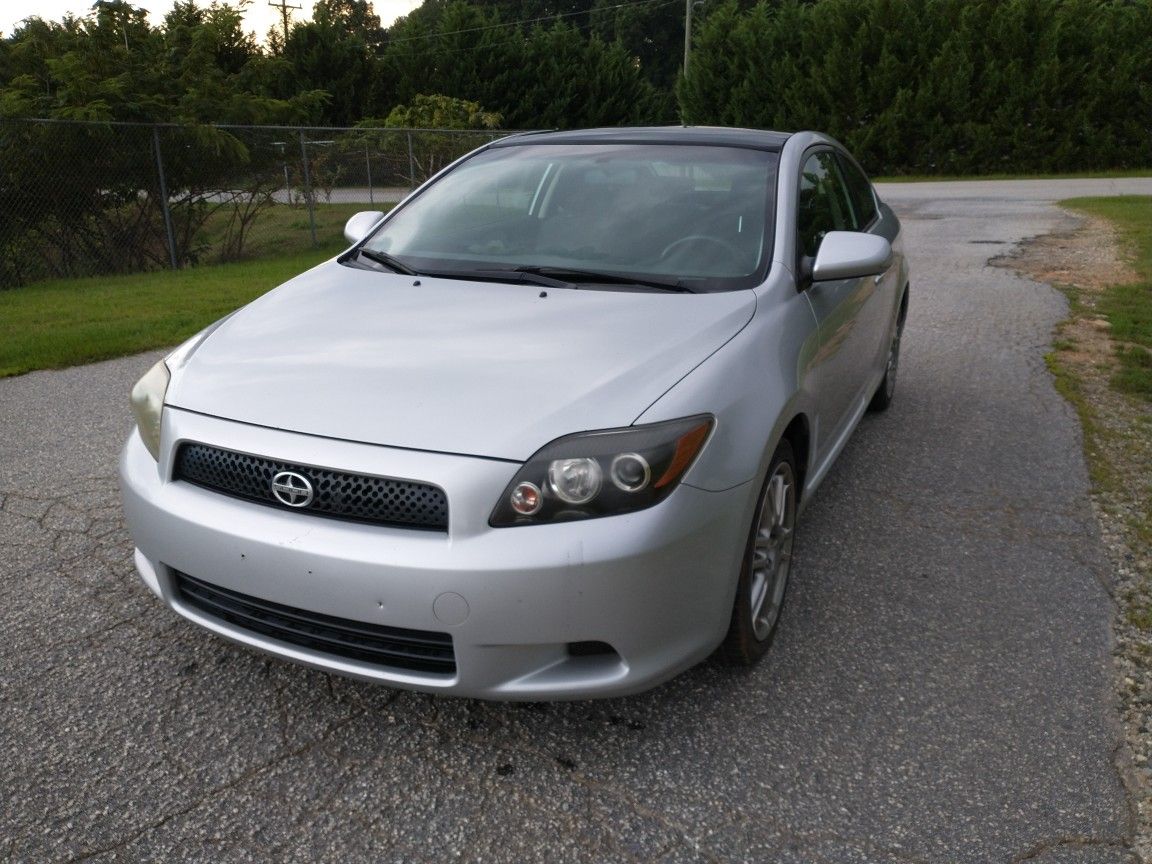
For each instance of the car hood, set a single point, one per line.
(477, 368)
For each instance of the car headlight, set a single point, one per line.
(148, 404)
(603, 473)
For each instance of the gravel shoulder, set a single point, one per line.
(1083, 260)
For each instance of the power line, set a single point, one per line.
(437, 35)
(284, 6)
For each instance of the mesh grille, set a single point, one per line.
(417, 650)
(353, 497)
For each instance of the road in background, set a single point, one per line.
(939, 691)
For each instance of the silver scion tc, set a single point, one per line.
(544, 430)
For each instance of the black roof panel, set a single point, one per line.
(757, 139)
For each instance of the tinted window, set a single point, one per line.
(696, 213)
(824, 203)
(860, 193)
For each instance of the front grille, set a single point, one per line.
(394, 647)
(338, 494)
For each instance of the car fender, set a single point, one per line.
(755, 386)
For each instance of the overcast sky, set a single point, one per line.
(258, 17)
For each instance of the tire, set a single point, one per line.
(767, 561)
(882, 398)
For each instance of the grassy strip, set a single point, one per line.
(1103, 473)
(1116, 440)
(1128, 308)
(65, 322)
(50, 325)
(279, 230)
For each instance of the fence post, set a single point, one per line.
(411, 164)
(368, 166)
(164, 198)
(308, 187)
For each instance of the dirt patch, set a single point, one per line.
(1084, 262)
(1088, 256)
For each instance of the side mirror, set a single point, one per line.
(850, 255)
(356, 228)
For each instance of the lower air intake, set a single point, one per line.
(393, 647)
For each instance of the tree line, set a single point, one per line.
(911, 86)
(937, 86)
(198, 65)
(921, 86)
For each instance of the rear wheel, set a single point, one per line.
(767, 561)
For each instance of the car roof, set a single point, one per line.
(756, 139)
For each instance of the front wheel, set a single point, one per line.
(882, 398)
(767, 561)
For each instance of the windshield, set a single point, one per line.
(696, 216)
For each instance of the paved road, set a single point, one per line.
(939, 691)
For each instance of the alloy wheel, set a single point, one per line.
(893, 365)
(772, 550)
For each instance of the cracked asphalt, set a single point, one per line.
(940, 690)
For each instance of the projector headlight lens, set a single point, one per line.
(604, 473)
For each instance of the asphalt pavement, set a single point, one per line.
(940, 690)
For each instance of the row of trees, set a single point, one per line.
(198, 65)
(913, 85)
(78, 199)
(937, 86)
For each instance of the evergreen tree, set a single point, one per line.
(936, 86)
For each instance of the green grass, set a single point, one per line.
(50, 325)
(65, 322)
(1135, 372)
(279, 230)
(1128, 308)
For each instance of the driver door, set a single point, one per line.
(845, 356)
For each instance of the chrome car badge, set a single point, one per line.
(292, 489)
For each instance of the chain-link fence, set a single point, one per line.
(83, 199)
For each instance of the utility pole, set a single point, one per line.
(284, 6)
(687, 33)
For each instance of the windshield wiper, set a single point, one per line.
(386, 260)
(576, 273)
(502, 274)
(546, 276)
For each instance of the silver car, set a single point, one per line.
(544, 430)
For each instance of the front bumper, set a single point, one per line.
(657, 586)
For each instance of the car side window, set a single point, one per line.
(860, 193)
(824, 204)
